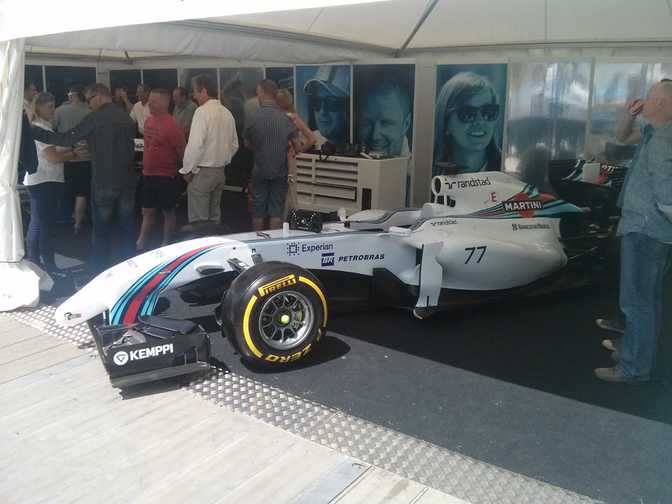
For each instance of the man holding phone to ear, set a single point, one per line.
(646, 235)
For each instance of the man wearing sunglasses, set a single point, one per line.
(328, 93)
(108, 131)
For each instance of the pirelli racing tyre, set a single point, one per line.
(274, 313)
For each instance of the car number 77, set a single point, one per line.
(471, 251)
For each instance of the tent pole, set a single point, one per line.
(428, 10)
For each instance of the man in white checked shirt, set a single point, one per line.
(212, 144)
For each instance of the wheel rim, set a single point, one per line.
(285, 320)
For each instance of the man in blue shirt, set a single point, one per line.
(646, 235)
(268, 133)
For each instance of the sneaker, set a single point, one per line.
(614, 375)
(610, 325)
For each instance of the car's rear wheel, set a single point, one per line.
(274, 313)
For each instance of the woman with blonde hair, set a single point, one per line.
(307, 138)
(45, 186)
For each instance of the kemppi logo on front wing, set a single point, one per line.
(277, 285)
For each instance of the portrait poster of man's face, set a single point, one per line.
(383, 108)
(323, 101)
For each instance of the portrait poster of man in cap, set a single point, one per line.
(323, 98)
(383, 108)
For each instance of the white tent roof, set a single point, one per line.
(354, 31)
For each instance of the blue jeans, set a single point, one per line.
(44, 199)
(644, 263)
(108, 204)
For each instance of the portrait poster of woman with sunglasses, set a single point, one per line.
(469, 118)
(323, 98)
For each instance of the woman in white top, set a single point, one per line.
(45, 186)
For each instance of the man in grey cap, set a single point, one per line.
(328, 91)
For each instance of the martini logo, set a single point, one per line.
(523, 205)
(328, 259)
(277, 285)
(122, 357)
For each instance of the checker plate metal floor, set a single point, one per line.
(431, 465)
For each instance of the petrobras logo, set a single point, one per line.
(467, 184)
(523, 205)
(361, 258)
(122, 357)
(328, 259)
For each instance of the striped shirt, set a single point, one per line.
(269, 130)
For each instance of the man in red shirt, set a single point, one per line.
(164, 148)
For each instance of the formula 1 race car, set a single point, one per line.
(484, 235)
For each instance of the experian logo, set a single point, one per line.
(122, 357)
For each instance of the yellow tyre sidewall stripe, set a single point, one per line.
(246, 327)
(312, 284)
(253, 301)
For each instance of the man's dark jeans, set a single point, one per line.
(108, 205)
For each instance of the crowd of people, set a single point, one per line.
(85, 150)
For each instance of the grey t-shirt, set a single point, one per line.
(69, 115)
(269, 130)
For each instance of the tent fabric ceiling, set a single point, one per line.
(478, 22)
(351, 32)
(177, 39)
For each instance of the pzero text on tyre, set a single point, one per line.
(275, 313)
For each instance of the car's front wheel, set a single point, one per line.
(274, 313)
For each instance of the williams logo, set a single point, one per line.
(328, 259)
(522, 206)
(121, 358)
(277, 285)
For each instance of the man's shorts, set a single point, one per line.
(78, 178)
(268, 196)
(159, 192)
